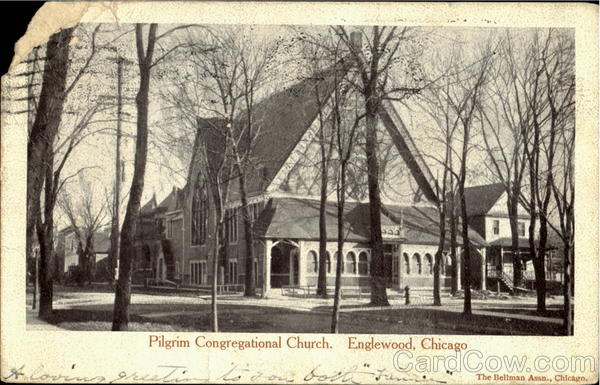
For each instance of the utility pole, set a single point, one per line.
(31, 112)
(115, 223)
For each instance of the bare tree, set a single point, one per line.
(211, 150)
(434, 102)
(145, 50)
(561, 89)
(47, 120)
(451, 101)
(318, 53)
(232, 74)
(459, 95)
(345, 132)
(534, 95)
(48, 112)
(505, 122)
(384, 46)
(563, 189)
(85, 217)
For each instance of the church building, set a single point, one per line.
(283, 189)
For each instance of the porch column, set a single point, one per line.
(483, 267)
(267, 268)
(501, 262)
(301, 264)
(291, 262)
(400, 264)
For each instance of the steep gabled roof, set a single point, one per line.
(408, 150)
(149, 207)
(173, 201)
(480, 199)
(212, 132)
(283, 118)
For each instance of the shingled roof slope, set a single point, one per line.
(480, 199)
(149, 206)
(298, 218)
(283, 118)
(212, 131)
(173, 201)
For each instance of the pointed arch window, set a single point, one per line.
(199, 212)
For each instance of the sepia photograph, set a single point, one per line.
(302, 179)
(288, 181)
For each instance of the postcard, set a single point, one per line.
(301, 192)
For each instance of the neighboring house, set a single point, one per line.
(159, 239)
(487, 211)
(283, 187)
(101, 263)
(66, 249)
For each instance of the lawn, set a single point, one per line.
(266, 319)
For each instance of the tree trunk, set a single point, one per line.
(322, 279)
(250, 283)
(127, 252)
(567, 291)
(43, 131)
(335, 319)
(45, 233)
(46, 269)
(437, 300)
(465, 224)
(378, 281)
(214, 315)
(514, 232)
(539, 265)
(467, 253)
(453, 245)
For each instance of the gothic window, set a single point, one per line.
(232, 225)
(199, 213)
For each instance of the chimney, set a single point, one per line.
(356, 40)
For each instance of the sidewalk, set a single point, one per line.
(34, 323)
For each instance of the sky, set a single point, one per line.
(165, 170)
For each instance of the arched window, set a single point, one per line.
(313, 262)
(406, 262)
(328, 262)
(363, 263)
(351, 263)
(337, 260)
(199, 212)
(416, 262)
(429, 261)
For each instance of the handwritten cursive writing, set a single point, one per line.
(174, 374)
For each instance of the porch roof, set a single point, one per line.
(507, 242)
(296, 218)
(523, 243)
